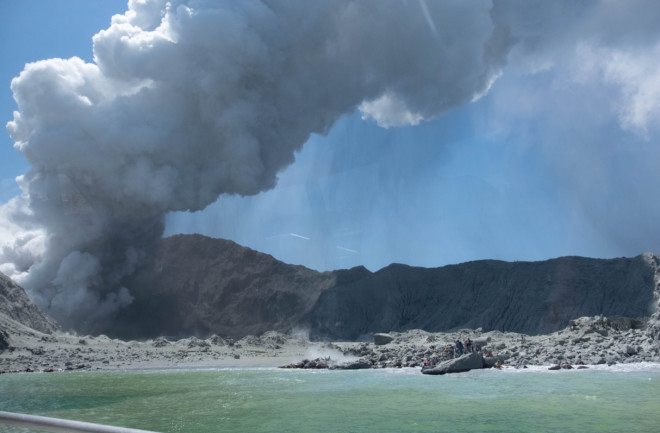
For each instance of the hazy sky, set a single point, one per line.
(560, 156)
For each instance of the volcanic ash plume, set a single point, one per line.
(188, 100)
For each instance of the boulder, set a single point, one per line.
(481, 341)
(360, 364)
(196, 342)
(317, 363)
(470, 361)
(217, 340)
(160, 342)
(382, 339)
(491, 361)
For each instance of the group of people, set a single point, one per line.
(453, 351)
(463, 348)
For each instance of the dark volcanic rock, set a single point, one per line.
(467, 362)
(15, 304)
(160, 342)
(491, 361)
(526, 297)
(382, 339)
(360, 364)
(203, 286)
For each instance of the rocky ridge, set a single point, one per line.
(524, 297)
(202, 286)
(17, 306)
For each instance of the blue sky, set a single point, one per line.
(426, 195)
(35, 30)
(559, 157)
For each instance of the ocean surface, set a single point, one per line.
(602, 399)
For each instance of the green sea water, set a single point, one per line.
(393, 400)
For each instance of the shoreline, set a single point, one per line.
(590, 341)
(641, 367)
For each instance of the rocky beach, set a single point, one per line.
(587, 341)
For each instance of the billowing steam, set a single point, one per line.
(188, 100)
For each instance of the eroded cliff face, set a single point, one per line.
(15, 305)
(526, 297)
(199, 286)
(202, 286)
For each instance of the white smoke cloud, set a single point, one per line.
(22, 245)
(389, 111)
(188, 100)
(638, 77)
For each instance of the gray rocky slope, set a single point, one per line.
(201, 286)
(525, 297)
(586, 340)
(198, 286)
(17, 306)
(18, 314)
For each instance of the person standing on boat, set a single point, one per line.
(459, 347)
